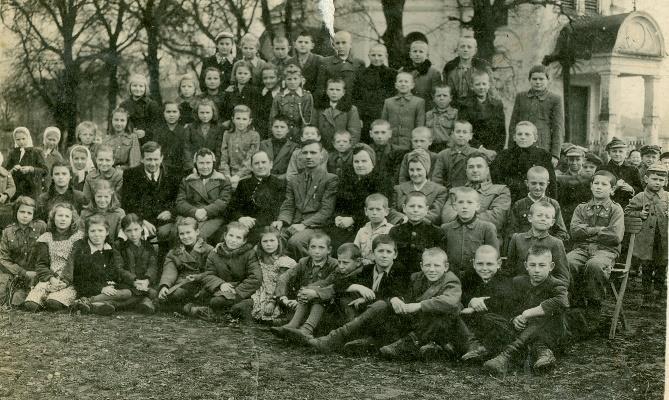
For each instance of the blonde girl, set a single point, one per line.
(105, 204)
(143, 112)
(50, 140)
(123, 141)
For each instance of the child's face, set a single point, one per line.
(204, 164)
(539, 267)
(377, 56)
(635, 158)
(655, 182)
(21, 139)
(205, 113)
(318, 249)
(346, 263)
(281, 50)
(466, 48)
(171, 113)
(303, 44)
(418, 52)
(342, 44)
(524, 136)
(133, 232)
(442, 97)
(79, 160)
(601, 187)
(279, 129)
(362, 163)
(342, 143)
(187, 88)
(243, 75)
(588, 169)
(62, 218)
(137, 89)
(542, 218)
(241, 120)
(433, 267)
(51, 141)
(420, 140)
(335, 91)
(415, 209)
(381, 134)
(384, 255)
(212, 80)
(24, 215)
(404, 83)
(462, 134)
(539, 81)
(224, 46)
(103, 199)
(486, 265)
(618, 154)
(293, 81)
(665, 161)
(376, 211)
(537, 184)
(310, 134)
(269, 243)
(270, 79)
(575, 163)
(466, 205)
(97, 234)
(481, 85)
(104, 160)
(119, 122)
(86, 136)
(187, 234)
(249, 51)
(234, 238)
(650, 158)
(417, 173)
(60, 176)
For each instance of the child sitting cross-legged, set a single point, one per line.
(233, 275)
(541, 218)
(184, 265)
(426, 317)
(97, 271)
(374, 285)
(467, 231)
(273, 262)
(538, 302)
(310, 273)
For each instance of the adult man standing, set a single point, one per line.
(310, 200)
(150, 192)
(495, 199)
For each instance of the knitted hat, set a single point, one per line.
(650, 149)
(615, 143)
(422, 156)
(363, 147)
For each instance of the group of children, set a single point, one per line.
(473, 265)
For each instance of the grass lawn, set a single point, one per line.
(129, 356)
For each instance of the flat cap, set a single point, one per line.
(592, 158)
(575, 151)
(615, 143)
(649, 149)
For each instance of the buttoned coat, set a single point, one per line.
(213, 195)
(179, 263)
(546, 113)
(435, 194)
(312, 206)
(194, 141)
(403, 113)
(342, 118)
(657, 205)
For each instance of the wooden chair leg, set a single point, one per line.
(618, 312)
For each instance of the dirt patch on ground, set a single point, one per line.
(129, 356)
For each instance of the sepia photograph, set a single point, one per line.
(333, 199)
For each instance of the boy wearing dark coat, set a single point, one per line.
(457, 73)
(170, 134)
(425, 76)
(539, 303)
(388, 155)
(337, 114)
(511, 165)
(232, 276)
(485, 113)
(629, 182)
(279, 147)
(308, 62)
(342, 65)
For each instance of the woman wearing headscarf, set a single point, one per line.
(26, 164)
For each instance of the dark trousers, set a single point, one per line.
(494, 331)
(239, 308)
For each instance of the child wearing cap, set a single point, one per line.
(650, 154)
(294, 102)
(652, 206)
(574, 185)
(628, 182)
(223, 60)
(544, 109)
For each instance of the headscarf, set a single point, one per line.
(81, 174)
(364, 147)
(24, 130)
(48, 131)
(423, 157)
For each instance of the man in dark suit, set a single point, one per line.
(223, 60)
(254, 203)
(310, 201)
(149, 191)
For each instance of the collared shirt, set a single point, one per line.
(420, 187)
(589, 217)
(220, 58)
(365, 236)
(450, 168)
(378, 276)
(296, 92)
(275, 91)
(95, 248)
(333, 105)
(541, 95)
(153, 176)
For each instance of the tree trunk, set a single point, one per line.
(152, 60)
(393, 37)
(111, 69)
(266, 18)
(487, 18)
(288, 19)
(67, 104)
(566, 98)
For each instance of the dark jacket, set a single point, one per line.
(388, 159)
(519, 247)
(92, 272)
(437, 298)
(488, 122)
(395, 284)
(186, 113)
(340, 163)
(139, 261)
(47, 200)
(498, 288)
(521, 209)
(373, 85)
(213, 196)
(546, 113)
(258, 199)
(312, 206)
(238, 267)
(280, 157)
(179, 262)
(145, 198)
(551, 295)
(630, 174)
(335, 67)
(16, 246)
(194, 141)
(248, 96)
(572, 191)
(342, 118)
(261, 120)
(478, 63)
(28, 184)
(225, 67)
(511, 165)
(310, 70)
(306, 274)
(171, 146)
(352, 192)
(412, 239)
(143, 113)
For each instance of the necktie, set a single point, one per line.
(153, 177)
(308, 180)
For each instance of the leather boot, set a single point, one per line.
(475, 351)
(406, 347)
(544, 358)
(333, 341)
(362, 346)
(500, 364)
